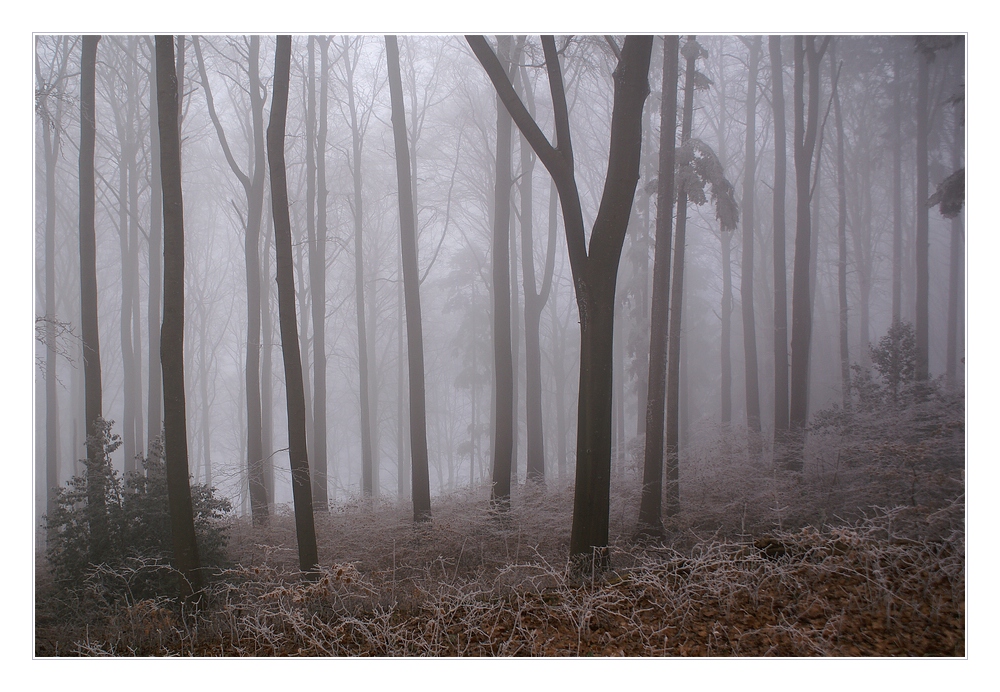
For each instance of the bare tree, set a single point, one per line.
(780, 272)
(595, 269)
(172, 332)
(252, 182)
(411, 292)
(305, 529)
(650, 506)
(746, 275)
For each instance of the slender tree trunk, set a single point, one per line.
(50, 126)
(746, 277)
(780, 274)
(725, 348)
(154, 391)
(503, 369)
(317, 275)
(921, 323)
(676, 303)
(650, 506)
(955, 271)
(96, 508)
(206, 410)
(897, 190)
(845, 358)
(411, 292)
(172, 332)
(253, 188)
(364, 372)
(402, 453)
(295, 396)
(266, 369)
(806, 125)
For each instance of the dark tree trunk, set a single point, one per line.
(921, 323)
(317, 276)
(503, 367)
(806, 126)
(845, 358)
(897, 190)
(96, 509)
(295, 396)
(253, 188)
(650, 506)
(411, 292)
(266, 365)
(676, 302)
(595, 270)
(746, 277)
(780, 274)
(172, 332)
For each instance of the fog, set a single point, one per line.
(344, 208)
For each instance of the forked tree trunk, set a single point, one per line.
(172, 332)
(253, 189)
(305, 529)
(650, 505)
(411, 292)
(595, 269)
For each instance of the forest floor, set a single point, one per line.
(863, 554)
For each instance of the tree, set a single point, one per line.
(534, 300)
(172, 332)
(845, 358)
(317, 284)
(411, 292)
(780, 273)
(154, 389)
(746, 276)
(594, 269)
(49, 107)
(652, 470)
(807, 56)
(252, 182)
(357, 207)
(90, 334)
(305, 529)
(503, 367)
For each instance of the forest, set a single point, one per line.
(445, 345)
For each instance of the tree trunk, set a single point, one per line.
(921, 323)
(172, 332)
(266, 367)
(897, 190)
(253, 188)
(411, 292)
(503, 368)
(955, 355)
(317, 276)
(746, 277)
(295, 396)
(652, 470)
(594, 270)
(676, 303)
(780, 273)
(806, 125)
(96, 508)
(845, 358)
(154, 390)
